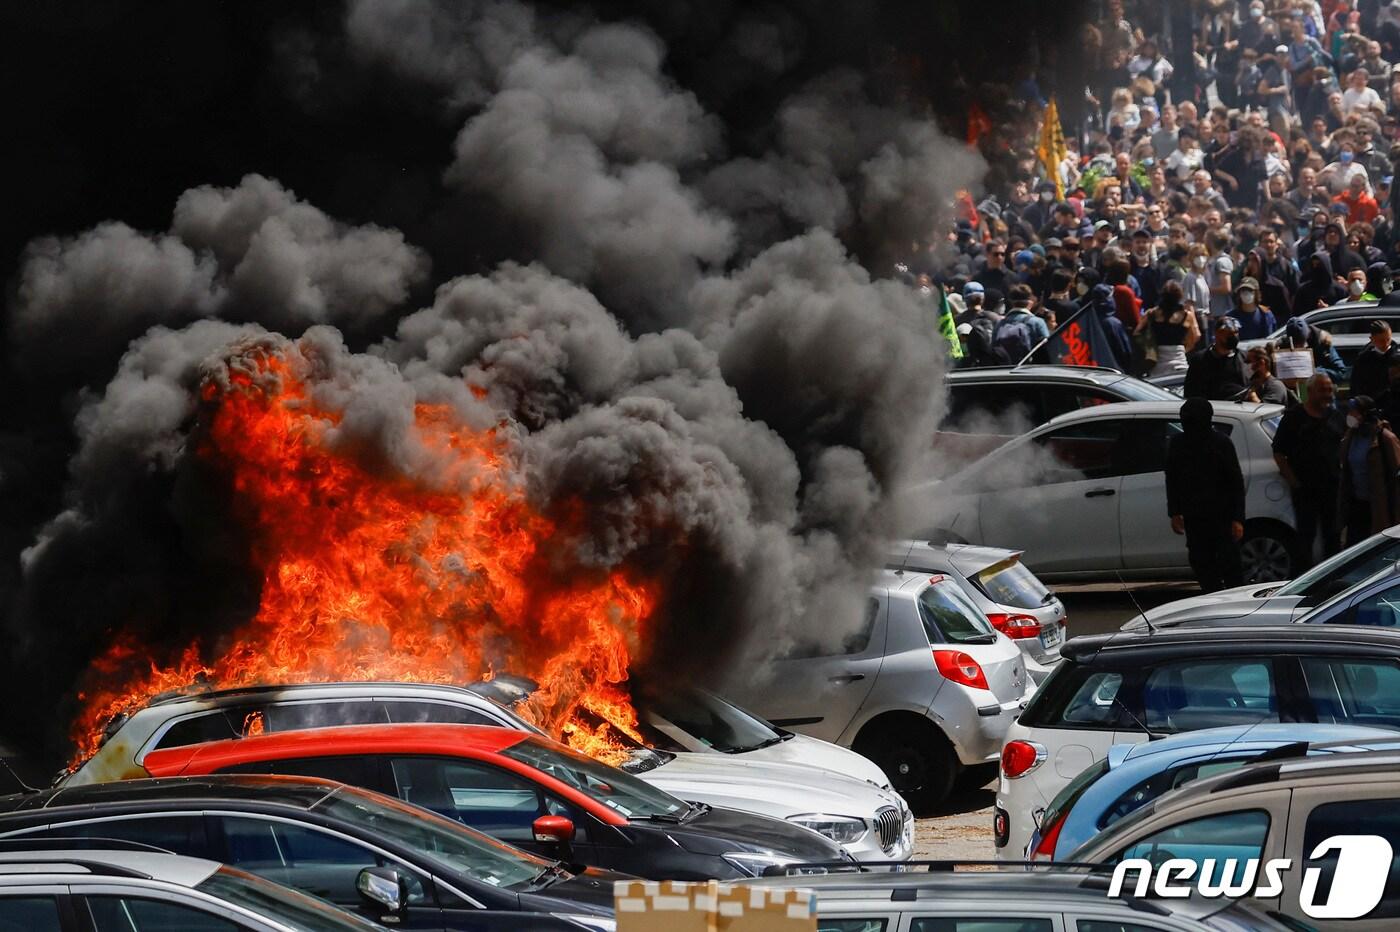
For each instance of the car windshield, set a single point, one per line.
(712, 721)
(1138, 390)
(292, 909)
(1344, 570)
(613, 788)
(1011, 583)
(949, 616)
(450, 844)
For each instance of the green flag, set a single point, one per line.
(947, 326)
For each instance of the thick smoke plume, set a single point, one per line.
(701, 370)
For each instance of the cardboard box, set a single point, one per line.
(710, 906)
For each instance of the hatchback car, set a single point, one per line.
(525, 790)
(73, 889)
(318, 837)
(925, 686)
(1349, 323)
(1126, 688)
(1084, 496)
(1132, 775)
(1274, 810)
(1016, 603)
(1280, 603)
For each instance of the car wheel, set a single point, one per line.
(1266, 555)
(920, 763)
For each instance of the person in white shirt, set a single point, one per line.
(1187, 157)
(1124, 112)
(1149, 61)
(1337, 176)
(1360, 96)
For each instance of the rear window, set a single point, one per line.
(949, 616)
(1159, 783)
(1068, 796)
(1270, 425)
(1011, 583)
(1076, 696)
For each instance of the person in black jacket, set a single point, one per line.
(1218, 371)
(1205, 497)
(1370, 374)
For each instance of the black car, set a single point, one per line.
(319, 837)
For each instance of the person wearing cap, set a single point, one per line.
(1307, 448)
(1070, 256)
(1370, 373)
(1256, 321)
(1298, 334)
(1217, 373)
(1368, 494)
(1093, 250)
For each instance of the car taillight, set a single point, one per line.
(1015, 627)
(959, 667)
(1049, 836)
(1019, 758)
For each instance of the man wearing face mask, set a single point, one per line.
(1368, 494)
(1337, 175)
(1307, 450)
(1356, 286)
(1256, 321)
(1217, 373)
(1370, 374)
(1205, 497)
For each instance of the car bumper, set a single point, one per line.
(978, 727)
(1019, 803)
(868, 848)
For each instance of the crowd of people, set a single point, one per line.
(1188, 216)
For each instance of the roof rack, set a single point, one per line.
(196, 693)
(932, 867)
(77, 843)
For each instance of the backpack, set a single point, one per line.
(1013, 337)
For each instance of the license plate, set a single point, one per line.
(1050, 637)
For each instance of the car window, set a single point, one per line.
(1094, 702)
(1380, 609)
(1163, 781)
(994, 408)
(177, 834)
(1344, 570)
(1150, 440)
(1091, 450)
(1012, 583)
(981, 924)
(1112, 925)
(1195, 694)
(489, 799)
(825, 924)
(29, 914)
(1362, 692)
(1076, 697)
(614, 788)
(356, 771)
(817, 643)
(1357, 817)
(132, 914)
(1062, 399)
(304, 858)
(950, 617)
(712, 721)
(1346, 325)
(1238, 835)
(258, 718)
(402, 710)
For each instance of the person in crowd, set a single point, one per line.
(1196, 282)
(1360, 97)
(1298, 334)
(1319, 288)
(1171, 330)
(1370, 373)
(1220, 274)
(1205, 497)
(1217, 372)
(1264, 386)
(1307, 447)
(1336, 176)
(1256, 321)
(1307, 193)
(995, 274)
(1143, 266)
(1101, 303)
(1360, 204)
(978, 346)
(1368, 491)
(1127, 306)
(1020, 331)
(1165, 136)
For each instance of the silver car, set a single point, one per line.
(925, 687)
(1017, 604)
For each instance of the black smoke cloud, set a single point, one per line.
(658, 253)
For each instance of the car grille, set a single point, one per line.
(890, 826)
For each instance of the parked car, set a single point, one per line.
(944, 900)
(1016, 603)
(1099, 473)
(1349, 323)
(62, 890)
(776, 789)
(1132, 775)
(527, 791)
(1278, 603)
(318, 837)
(1268, 810)
(987, 406)
(1126, 688)
(925, 687)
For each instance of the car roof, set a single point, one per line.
(273, 691)
(1125, 645)
(1097, 375)
(926, 555)
(1173, 407)
(148, 865)
(343, 740)
(1259, 733)
(289, 792)
(1332, 767)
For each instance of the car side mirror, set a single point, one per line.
(556, 833)
(383, 886)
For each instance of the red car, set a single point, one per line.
(524, 789)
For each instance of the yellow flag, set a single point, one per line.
(1051, 149)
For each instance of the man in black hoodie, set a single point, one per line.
(1205, 497)
(1218, 372)
(1319, 288)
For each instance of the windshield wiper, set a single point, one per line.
(551, 875)
(980, 639)
(695, 811)
(1048, 598)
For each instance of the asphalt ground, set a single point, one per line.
(962, 828)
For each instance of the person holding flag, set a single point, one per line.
(947, 327)
(1052, 150)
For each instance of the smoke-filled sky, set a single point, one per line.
(647, 242)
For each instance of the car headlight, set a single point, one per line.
(839, 828)
(594, 923)
(753, 863)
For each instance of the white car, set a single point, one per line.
(1008, 593)
(926, 687)
(871, 822)
(1084, 496)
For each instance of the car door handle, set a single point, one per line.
(1100, 493)
(848, 678)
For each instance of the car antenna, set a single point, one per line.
(1129, 592)
(23, 787)
(909, 551)
(1151, 735)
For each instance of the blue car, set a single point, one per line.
(1133, 775)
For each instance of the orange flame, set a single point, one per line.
(367, 574)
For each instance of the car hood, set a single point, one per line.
(592, 888)
(814, 752)
(719, 830)
(1227, 603)
(777, 790)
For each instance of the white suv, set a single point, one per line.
(1085, 497)
(926, 687)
